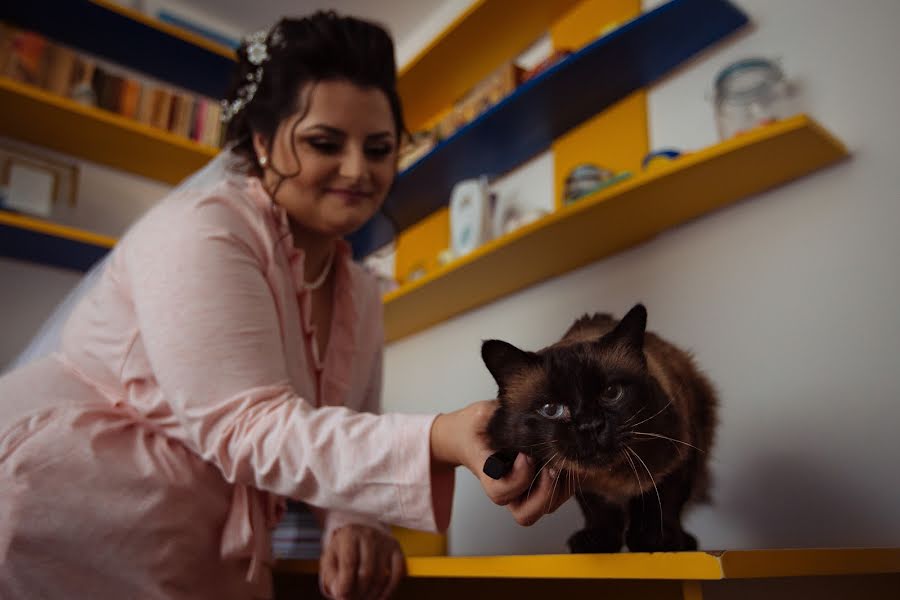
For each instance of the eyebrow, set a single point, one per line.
(340, 132)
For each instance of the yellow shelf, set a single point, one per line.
(52, 244)
(55, 229)
(467, 50)
(614, 219)
(33, 115)
(695, 566)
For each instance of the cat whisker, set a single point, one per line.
(555, 481)
(546, 443)
(665, 437)
(658, 499)
(636, 476)
(668, 404)
(635, 415)
(538, 474)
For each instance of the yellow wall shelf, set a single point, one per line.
(690, 575)
(44, 242)
(614, 219)
(33, 115)
(478, 41)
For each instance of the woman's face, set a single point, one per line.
(340, 158)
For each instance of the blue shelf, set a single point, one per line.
(541, 110)
(113, 36)
(46, 249)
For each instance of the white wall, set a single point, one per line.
(107, 202)
(790, 300)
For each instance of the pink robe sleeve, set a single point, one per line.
(210, 328)
(332, 520)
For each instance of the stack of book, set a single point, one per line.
(30, 58)
(298, 535)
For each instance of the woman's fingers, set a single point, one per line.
(374, 551)
(361, 563)
(508, 488)
(328, 568)
(348, 565)
(398, 572)
(547, 494)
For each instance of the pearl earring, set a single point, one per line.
(263, 161)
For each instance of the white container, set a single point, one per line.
(470, 215)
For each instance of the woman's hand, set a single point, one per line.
(459, 438)
(361, 562)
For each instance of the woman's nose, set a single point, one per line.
(353, 164)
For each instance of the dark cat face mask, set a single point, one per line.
(577, 404)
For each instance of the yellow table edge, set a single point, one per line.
(684, 566)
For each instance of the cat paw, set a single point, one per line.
(669, 541)
(593, 541)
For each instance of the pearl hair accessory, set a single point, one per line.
(257, 55)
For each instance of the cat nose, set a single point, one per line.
(591, 426)
(597, 431)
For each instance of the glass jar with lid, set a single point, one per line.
(749, 93)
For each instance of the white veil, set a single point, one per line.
(48, 336)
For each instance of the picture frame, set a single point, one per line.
(34, 184)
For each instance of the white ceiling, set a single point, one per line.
(413, 23)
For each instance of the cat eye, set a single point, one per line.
(552, 411)
(613, 392)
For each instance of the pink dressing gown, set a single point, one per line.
(150, 456)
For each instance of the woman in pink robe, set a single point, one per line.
(229, 357)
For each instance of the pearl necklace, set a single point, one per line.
(314, 285)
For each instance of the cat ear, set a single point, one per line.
(504, 359)
(631, 328)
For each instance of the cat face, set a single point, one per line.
(577, 403)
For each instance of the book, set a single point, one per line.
(108, 98)
(162, 108)
(198, 119)
(7, 33)
(145, 104)
(185, 110)
(129, 97)
(213, 130)
(26, 62)
(60, 71)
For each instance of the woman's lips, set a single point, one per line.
(350, 196)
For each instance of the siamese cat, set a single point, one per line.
(624, 417)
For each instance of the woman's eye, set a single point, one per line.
(379, 151)
(325, 146)
(613, 392)
(552, 411)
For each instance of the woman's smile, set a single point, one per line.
(349, 195)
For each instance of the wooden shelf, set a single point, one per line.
(36, 240)
(614, 219)
(541, 110)
(730, 564)
(34, 115)
(130, 39)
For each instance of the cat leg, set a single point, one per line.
(654, 524)
(604, 526)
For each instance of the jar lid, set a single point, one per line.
(747, 77)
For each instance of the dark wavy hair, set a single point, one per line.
(323, 46)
